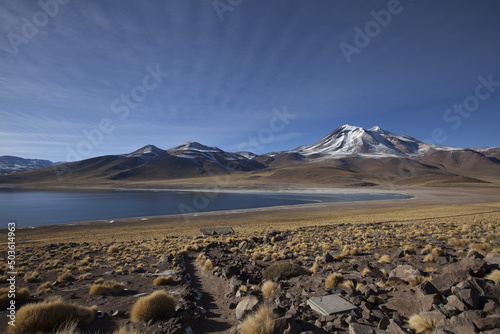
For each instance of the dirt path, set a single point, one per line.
(219, 318)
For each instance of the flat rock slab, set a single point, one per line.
(331, 304)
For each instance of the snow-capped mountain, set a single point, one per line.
(350, 140)
(11, 164)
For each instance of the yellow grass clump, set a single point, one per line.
(384, 259)
(494, 276)
(270, 289)
(456, 242)
(261, 322)
(208, 265)
(422, 324)
(33, 277)
(65, 277)
(314, 268)
(155, 305)
(44, 286)
(347, 285)
(437, 251)
(50, 315)
(125, 330)
(107, 288)
(333, 280)
(84, 276)
(429, 258)
(113, 249)
(21, 294)
(163, 280)
(427, 249)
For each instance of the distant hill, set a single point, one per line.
(349, 155)
(10, 164)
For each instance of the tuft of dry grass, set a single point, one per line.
(69, 327)
(456, 242)
(437, 251)
(270, 289)
(261, 322)
(21, 294)
(45, 286)
(125, 330)
(33, 277)
(384, 259)
(65, 277)
(314, 268)
(333, 280)
(107, 288)
(422, 324)
(84, 276)
(208, 265)
(155, 305)
(429, 258)
(163, 280)
(49, 315)
(427, 249)
(113, 249)
(494, 276)
(347, 285)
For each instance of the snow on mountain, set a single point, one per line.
(248, 155)
(352, 140)
(11, 164)
(199, 152)
(149, 151)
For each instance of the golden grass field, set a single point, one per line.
(453, 219)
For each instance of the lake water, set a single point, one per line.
(28, 208)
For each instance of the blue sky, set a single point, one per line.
(76, 76)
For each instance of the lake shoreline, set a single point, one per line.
(171, 201)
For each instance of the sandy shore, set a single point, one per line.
(423, 200)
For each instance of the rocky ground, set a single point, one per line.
(429, 276)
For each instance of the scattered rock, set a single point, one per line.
(246, 305)
(488, 323)
(406, 273)
(364, 329)
(285, 325)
